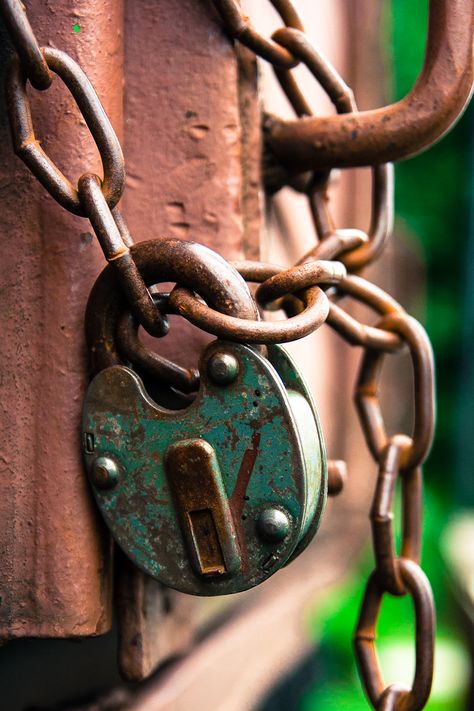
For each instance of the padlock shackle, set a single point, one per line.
(189, 264)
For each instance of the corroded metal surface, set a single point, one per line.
(55, 572)
(262, 443)
(402, 129)
(93, 34)
(449, 48)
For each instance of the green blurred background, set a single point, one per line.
(433, 199)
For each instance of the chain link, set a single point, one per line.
(309, 293)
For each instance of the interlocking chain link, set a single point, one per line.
(397, 456)
(309, 293)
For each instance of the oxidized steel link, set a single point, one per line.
(239, 27)
(299, 277)
(365, 636)
(367, 400)
(31, 57)
(381, 223)
(122, 227)
(117, 253)
(335, 245)
(27, 146)
(298, 44)
(355, 332)
(264, 332)
(381, 515)
(343, 99)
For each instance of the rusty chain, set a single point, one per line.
(309, 293)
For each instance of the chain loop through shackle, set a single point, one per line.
(314, 314)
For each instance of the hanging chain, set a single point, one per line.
(309, 293)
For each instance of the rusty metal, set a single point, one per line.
(33, 62)
(188, 263)
(28, 148)
(367, 399)
(381, 515)
(202, 507)
(337, 475)
(400, 130)
(208, 471)
(129, 346)
(381, 223)
(369, 669)
(300, 277)
(353, 330)
(343, 100)
(240, 28)
(313, 315)
(311, 291)
(335, 244)
(109, 232)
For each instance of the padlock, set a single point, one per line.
(216, 496)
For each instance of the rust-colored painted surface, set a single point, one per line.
(55, 571)
(188, 112)
(192, 152)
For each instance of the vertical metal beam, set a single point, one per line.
(192, 151)
(55, 570)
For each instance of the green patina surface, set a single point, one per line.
(269, 450)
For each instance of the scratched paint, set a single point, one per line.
(267, 455)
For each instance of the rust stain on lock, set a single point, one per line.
(245, 472)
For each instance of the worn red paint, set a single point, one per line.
(237, 499)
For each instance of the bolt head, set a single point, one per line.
(273, 525)
(104, 473)
(223, 368)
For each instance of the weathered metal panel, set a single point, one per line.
(55, 571)
(192, 151)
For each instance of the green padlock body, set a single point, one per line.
(262, 443)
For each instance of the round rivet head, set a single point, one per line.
(223, 368)
(104, 473)
(273, 525)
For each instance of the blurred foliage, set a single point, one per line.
(432, 198)
(432, 201)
